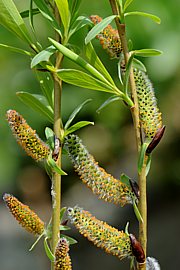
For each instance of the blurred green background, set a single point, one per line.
(111, 141)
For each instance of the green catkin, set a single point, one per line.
(27, 137)
(150, 116)
(62, 258)
(96, 178)
(24, 215)
(102, 235)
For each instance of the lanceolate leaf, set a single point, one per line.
(142, 155)
(37, 103)
(77, 126)
(12, 20)
(71, 240)
(148, 15)
(55, 167)
(139, 65)
(63, 8)
(82, 79)
(25, 14)
(107, 102)
(126, 4)
(147, 52)
(47, 87)
(14, 49)
(43, 56)
(48, 251)
(127, 73)
(98, 28)
(75, 112)
(96, 62)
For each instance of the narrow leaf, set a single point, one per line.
(82, 79)
(96, 62)
(48, 251)
(147, 52)
(50, 137)
(139, 65)
(14, 49)
(37, 103)
(64, 228)
(11, 19)
(55, 167)
(77, 126)
(62, 212)
(46, 85)
(71, 240)
(148, 165)
(141, 156)
(31, 22)
(127, 73)
(126, 4)
(35, 243)
(43, 56)
(137, 213)
(80, 22)
(25, 14)
(78, 60)
(156, 19)
(98, 28)
(75, 112)
(107, 102)
(63, 8)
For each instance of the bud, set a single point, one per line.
(62, 258)
(102, 235)
(24, 215)
(27, 137)
(96, 178)
(137, 249)
(155, 140)
(109, 38)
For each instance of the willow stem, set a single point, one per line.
(136, 122)
(56, 179)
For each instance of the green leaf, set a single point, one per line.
(50, 137)
(31, 22)
(35, 243)
(78, 60)
(96, 62)
(14, 49)
(46, 85)
(125, 179)
(126, 4)
(43, 56)
(147, 52)
(98, 28)
(45, 11)
(48, 251)
(71, 240)
(148, 165)
(107, 102)
(11, 19)
(127, 73)
(64, 228)
(37, 103)
(75, 112)
(139, 65)
(137, 213)
(142, 155)
(55, 167)
(156, 19)
(62, 212)
(82, 79)
(77, 126)
(25, 13)
(63, 8)
(80, 22)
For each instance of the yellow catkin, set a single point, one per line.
(24, 215)
(96, 178)
(62, 258)
(102, 235)
(27, 137)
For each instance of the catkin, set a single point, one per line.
(24, 215)
(100, 233)
(62, 258)
(27, 137)
(96, 178)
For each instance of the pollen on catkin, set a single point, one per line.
(96, 178)
(109, 38)
(102, 235)
(27, 137)
(24, 215)
(62, 258)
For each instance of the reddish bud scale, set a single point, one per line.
(27, 137)
(102, 235)
(96, 178)
(62, 258)
(24, 215)
(109, 38)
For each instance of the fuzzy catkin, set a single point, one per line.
(102, 235)
(24, 215)
(27, 137)
(96, 178)
(62, 258)
(109, 38)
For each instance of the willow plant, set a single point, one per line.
(134, 89)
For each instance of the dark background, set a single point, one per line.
(111, 141)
